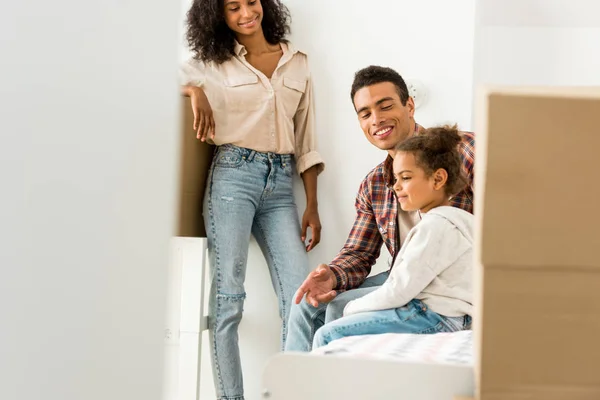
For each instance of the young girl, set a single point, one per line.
(251, 94)
(429, 288)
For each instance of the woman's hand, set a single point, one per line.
(311, 219)
(204, 123)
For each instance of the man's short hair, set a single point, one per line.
(374, 74)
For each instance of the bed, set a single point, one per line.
(416, 367)
(404, 366)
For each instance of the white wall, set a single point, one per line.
(537, 42)
(428, 40)
(88, 122)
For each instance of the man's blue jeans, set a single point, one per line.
(305, 319)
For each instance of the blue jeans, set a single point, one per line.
(414, 317)
(305, 319)
(248, 193)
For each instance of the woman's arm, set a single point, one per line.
(192, 76)
(304, 133)
(311, 214)
(309, 164)
(204, 123)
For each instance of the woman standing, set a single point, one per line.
(250, 90)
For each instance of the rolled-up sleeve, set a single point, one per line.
(192, 73)
(304, 132)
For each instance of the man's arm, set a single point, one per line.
(466, 150)
(467, 153)
(353, 263)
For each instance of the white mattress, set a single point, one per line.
(440, 348)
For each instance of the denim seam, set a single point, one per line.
(371, 322)
(313, 331)
(270, 184)
(285, 169)
(217, 282)
(344, 329)
(241, 158)
(352, 327)
(440, 327)
(414, 313)
(279, 284)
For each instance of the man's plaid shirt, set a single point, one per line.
(376, 218)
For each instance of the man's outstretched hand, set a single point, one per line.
(318, 286)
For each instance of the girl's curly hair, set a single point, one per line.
(209, 37)
(438, 148)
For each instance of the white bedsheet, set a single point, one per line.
(440, 348)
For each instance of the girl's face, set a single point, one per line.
(243, 17)
(416, 190)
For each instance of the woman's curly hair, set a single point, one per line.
(209, 37)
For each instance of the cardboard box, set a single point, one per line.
(196, 158)
(538, 305)
(541, 181)
(540, 334)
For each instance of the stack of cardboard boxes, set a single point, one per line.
(538, 262)
(195, 159)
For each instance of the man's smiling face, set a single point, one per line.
(383, 118)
